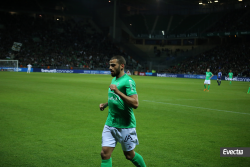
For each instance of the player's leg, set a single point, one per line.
(208, 85)
(218, 82)
(108, 145)
(106, 156)
(135, 158)
(248, 90)
(230, 81)
(128, 142)
(205, 85)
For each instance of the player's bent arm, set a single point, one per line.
(132, 101)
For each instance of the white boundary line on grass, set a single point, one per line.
(198, 107)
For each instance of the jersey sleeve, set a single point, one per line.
(130, 87)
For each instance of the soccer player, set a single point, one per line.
(209, 75)
(219, 75)
(230, 75)
(29, 68)
(120, 125)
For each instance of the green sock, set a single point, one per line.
(248, 90)
(138, 160)
(208, 87)
(106, 162)
(205, 86)
(230, 82)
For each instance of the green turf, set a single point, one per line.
(49, 119)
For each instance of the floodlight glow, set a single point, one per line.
(240, 0)
(216, 1)
(162, 32)
(200, 3)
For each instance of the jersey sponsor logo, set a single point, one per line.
(112, 98)
(128, 137)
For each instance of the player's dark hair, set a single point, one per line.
(120, 59)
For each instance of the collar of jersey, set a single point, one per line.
(121, 76)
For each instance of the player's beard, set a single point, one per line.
(116, 72)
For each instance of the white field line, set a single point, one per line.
(180, 99)
(198, 107)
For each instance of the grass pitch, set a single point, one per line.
(49, 119)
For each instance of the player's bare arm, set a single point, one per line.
(132, 101)
(211, 77)
(103, 106)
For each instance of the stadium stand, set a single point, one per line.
(206, 22)
(162, 23)
(57, 43)
(149, 21)
(176, 20)
(227, 57)
(232, 21)
(137, 24)
(188, 22)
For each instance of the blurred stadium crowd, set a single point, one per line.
(227, 57)
(57, 43)
(231, 56)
